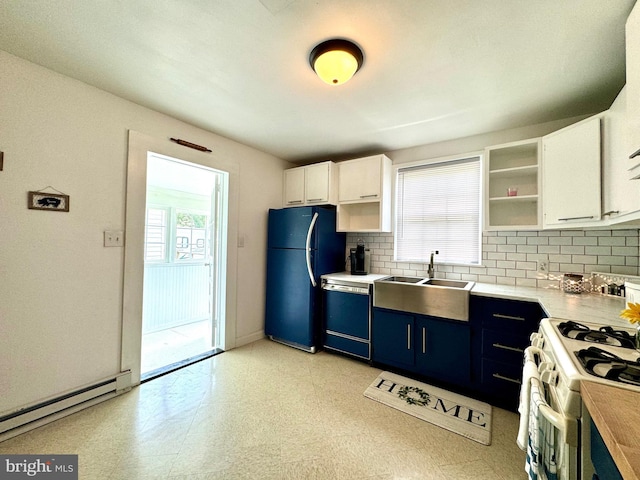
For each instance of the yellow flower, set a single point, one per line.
(632, 313)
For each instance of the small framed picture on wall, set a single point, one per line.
(54, 202)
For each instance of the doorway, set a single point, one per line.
(134, 250)
(183, 269)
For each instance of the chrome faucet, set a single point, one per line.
(430, 270)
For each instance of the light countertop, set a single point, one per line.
(369, 278)
(584, 307)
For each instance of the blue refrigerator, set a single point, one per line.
(302, 245)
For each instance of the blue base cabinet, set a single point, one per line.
(392, 338)
(501, 331)
(443, 349)
(428, 346)
(603, 462)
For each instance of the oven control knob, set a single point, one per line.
(545, 366)
(550, 377)
(536, 340)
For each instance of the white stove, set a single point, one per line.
(599, 347)
(566, 353)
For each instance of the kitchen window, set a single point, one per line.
(438, 207)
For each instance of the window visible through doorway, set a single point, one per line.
(181, 232)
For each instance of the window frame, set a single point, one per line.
(171, 233)
(481, 206)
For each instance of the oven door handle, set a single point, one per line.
(568, 427)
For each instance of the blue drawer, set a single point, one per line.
(346, 345)
(504, 347)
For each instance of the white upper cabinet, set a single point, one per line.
(571, 182)
(633, 91)
(364, 198)
(512, 183)
(317, 182)
(294, 186)
(311, 185)
(361, 179)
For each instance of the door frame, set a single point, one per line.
(139, 145)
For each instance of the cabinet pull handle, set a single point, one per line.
(294, 201)
(424, 340)
(635, 154)
(506, 347)
(509, 317)
(575, 218)
(314, 199)
(502, 377)
(610, 212)
(369, 196)
(408, 336)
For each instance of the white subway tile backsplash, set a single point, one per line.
(624, 251)
(510, 257)
(538, 241)
(585, 240)
(572, 250)
(549, 249)
(597, 250)
(584, 259)
(560, 241)
(612, 241)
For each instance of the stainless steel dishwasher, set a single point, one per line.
(347, 317)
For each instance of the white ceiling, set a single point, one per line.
(434, 70)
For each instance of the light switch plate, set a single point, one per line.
(113, 238)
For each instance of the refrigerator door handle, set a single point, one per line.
(308, 252)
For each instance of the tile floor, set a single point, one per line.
(267, 411)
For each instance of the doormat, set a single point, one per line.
(462, 415)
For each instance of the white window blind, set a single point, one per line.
(155, 235)
(438, 207)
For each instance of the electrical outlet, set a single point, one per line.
(113, 238)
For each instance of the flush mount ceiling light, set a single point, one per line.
(336, 61)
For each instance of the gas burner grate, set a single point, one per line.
(604, 335)
(603, 364)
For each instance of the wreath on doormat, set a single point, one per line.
(422, 399)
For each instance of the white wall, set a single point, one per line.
(60, 289)
(478, 142)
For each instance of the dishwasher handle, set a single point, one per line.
(333, 287)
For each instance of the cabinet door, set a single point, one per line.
(294, 186)
(443, 350)
(360, 179)
(392, 338)
(317, 183)
(571, 175)
(633, 90)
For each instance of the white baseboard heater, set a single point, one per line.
(33, 416)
